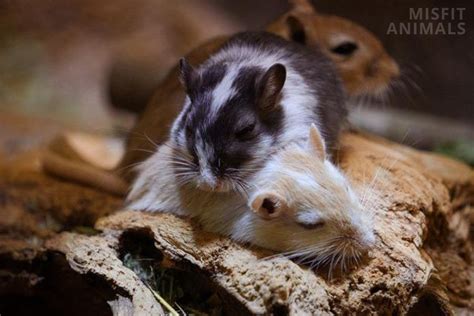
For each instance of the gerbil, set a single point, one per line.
(364, 65)
(300, 204)
(259, 92)
(301, 189)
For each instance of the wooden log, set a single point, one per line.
(422, 262)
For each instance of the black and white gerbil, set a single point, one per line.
(299, 204)
(256, 94)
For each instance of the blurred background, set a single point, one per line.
(56, 58)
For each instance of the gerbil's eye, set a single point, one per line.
(345, 49)
(245, 133)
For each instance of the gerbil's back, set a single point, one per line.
(262, 48)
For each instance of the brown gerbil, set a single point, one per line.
(364, 65)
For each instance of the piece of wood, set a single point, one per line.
(422, 262)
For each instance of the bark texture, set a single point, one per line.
(422, 262)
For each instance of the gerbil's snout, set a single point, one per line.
(358, 237)
(217, 178)
(380, 73)
(209, 181)
(206, 181)
(363, 240)
(367, 238)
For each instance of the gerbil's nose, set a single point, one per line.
(389, 67)
(383, 66)
(368, 238)
(372, 69)
(364, 238)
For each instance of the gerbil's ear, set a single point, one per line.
(316, 143)
(270, 86)
(188, 76)
(268, 205)
(302, 5)
(296, 30)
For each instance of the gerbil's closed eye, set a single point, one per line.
(345, 48)
(311, 225)
(246, 133)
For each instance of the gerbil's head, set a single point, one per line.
(363, 63)
(230, 121)
(312, 206)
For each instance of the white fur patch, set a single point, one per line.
(224, 91)
(204, 152)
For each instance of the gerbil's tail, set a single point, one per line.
(82, 173)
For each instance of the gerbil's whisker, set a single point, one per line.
(143, 150)
(180, 163)
(330, 253)
(185, 173)
(132, 165)
(288, 253)
(178, 151)
(151, 141)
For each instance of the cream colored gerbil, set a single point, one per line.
(300, 204)
(305, 190)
